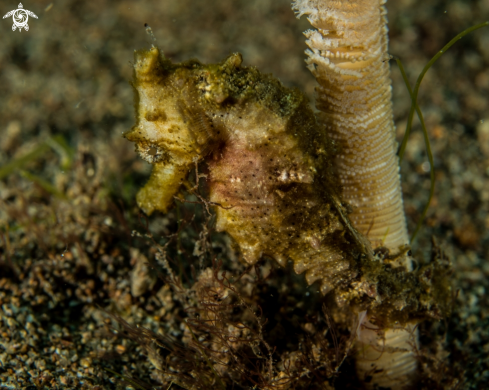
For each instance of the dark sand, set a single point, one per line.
(67, 211)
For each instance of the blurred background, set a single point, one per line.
(66, 99)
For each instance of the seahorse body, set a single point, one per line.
(269, 163)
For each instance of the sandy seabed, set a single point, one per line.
(68, 251)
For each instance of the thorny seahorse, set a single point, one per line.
(269, 162)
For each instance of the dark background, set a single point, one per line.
(69, 75)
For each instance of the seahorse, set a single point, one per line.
(276, 193)
(270, 165)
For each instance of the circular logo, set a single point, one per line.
(20, 18)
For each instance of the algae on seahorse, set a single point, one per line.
(269, 163)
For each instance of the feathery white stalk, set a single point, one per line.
(348, 57)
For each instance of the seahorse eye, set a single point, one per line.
(151, 153)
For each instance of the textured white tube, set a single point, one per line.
(348, 57)
(386, 358)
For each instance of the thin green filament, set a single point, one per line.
(414, 95)
(428, 150)
(415, 107)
